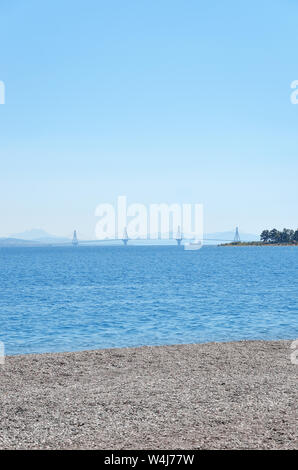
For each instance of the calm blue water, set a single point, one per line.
(65, 299)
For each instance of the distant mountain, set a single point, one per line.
(17, 242)
(229, 236)
(39, 235)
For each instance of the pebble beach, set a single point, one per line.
(238, 395)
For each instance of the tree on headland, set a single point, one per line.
(274, 236)
(265, 236)
(287, 236)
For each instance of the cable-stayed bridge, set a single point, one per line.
(179, 238)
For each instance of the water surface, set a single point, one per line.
(66, 299)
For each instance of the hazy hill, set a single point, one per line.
(39, 235)
(17, 242)
(229, 236)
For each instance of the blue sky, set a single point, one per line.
(162, 101)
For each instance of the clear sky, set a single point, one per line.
(159, 100)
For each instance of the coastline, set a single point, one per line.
(197, 396)
(258, 244)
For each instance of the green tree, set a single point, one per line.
(295, 236)
(265, 236)
(286, 235)
(274, 236)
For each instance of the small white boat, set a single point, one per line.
(194, 245)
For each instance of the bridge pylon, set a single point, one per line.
(125, 236)
(237, 236)
(179, 236)
(75, 241)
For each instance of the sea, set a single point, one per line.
(55, 299)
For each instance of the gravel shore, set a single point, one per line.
(201, 396)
